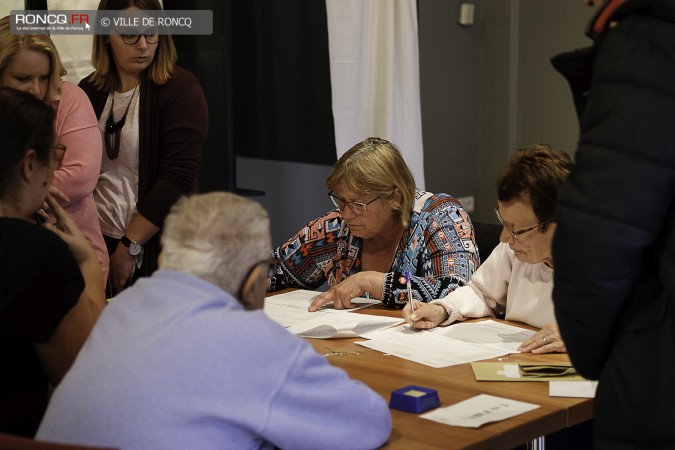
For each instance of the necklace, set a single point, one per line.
(113, 129)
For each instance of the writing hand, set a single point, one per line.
(425, 316)
(546, 340)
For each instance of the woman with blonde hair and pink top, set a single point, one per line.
(31, 63)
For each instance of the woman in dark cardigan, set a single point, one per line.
(154, 118)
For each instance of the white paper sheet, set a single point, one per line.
(336, 324)
(447, 346)
(290, 311)
(429, 349)
(488, 333)
(478, 411)
(290, 308)
(580, 389)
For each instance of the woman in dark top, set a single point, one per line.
(51, 284)
(154, 118)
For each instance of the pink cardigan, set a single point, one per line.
(77, 128)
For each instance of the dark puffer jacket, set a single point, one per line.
(614, 248)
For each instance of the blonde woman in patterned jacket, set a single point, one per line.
(382, 229)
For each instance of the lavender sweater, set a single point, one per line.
(175, 363)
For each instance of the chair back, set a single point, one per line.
(487, 238)
(11, 442)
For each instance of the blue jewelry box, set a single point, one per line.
(414, 399)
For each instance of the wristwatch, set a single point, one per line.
(135, 248)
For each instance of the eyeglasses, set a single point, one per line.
(59, 154)
(132, 39)
(271, 272)
(271, 267)
(514, 234)
(356, 207)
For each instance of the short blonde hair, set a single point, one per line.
(376, 167)
(105, 76)
(13, 44)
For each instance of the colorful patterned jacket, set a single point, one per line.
(438, 248)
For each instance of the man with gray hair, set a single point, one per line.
(187, 358)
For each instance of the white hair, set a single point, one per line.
(217, 236)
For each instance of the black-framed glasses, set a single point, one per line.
(271, 267)
(132, 39)
(58, 154)
(356, 207)
(515, 233)
(271, 271)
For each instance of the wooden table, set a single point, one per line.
(385, 374)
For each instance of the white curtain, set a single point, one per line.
(75, 51)
(7, 6)
(374, 67)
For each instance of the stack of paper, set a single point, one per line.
(521, 371)
(441, 347)
(448, 346)
(290, 311)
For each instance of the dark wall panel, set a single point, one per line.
(281, 76)
(207, 57)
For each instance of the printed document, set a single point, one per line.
(478, 411)
(448, 346)
(290, 311)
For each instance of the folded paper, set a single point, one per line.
(524, 371)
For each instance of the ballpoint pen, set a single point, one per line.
(410, 296)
